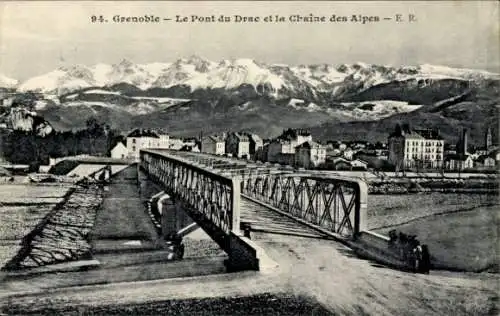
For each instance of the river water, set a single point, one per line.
(460, 229)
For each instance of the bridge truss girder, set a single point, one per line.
(337, 204)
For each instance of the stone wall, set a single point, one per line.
(63, 235)
(446, 185)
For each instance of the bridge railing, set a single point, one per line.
(333, 203)
(213, 196)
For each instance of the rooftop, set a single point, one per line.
(310, 144)
(428, 133)
(216, 138)
(254, 137)
(241, 137)
(458, 157)
(407, 132)
(293, 133)
(139, 132)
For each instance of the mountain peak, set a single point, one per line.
(6, 82)
(125, 63)
(195, 59)
(246, 62)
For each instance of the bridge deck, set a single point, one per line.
(264, 220)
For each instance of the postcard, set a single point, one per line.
(249, 157)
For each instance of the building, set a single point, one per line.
(277, 148)
(333, 152)
(348, 153)
(215, 145)
(145, 138)
(382, 153)
(175, 143)
(310, 155)
(495, 155)
(238, 145)
(163, 141)
(192, 142)
(375, 162)
(415, 148)
(486, 161)
(458, 162)
(119, 151)
(488, 145)
(140, 139)
(358, 164)
(296, 137)
(340, 163)
(282, 149)
(190, 148)
(255, 145)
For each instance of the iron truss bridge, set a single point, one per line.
(213, 187)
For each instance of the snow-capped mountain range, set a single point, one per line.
(274, 79)
(194, 93)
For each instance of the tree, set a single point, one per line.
(94, 131)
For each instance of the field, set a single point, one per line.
(21, 208)
(460, 229)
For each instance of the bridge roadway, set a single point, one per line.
(310, 264)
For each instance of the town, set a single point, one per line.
(406, 149)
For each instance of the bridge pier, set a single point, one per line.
(174, 220)
(166, 215)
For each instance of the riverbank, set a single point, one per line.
(22, 207)
(63, 234)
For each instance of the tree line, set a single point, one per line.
(21, 147)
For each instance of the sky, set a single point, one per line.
(37, 37)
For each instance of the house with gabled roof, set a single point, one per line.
(238, 145)
(214, 144)
(255, 144)
(120, 151)
(458, 162)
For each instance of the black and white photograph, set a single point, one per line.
(249, 158)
